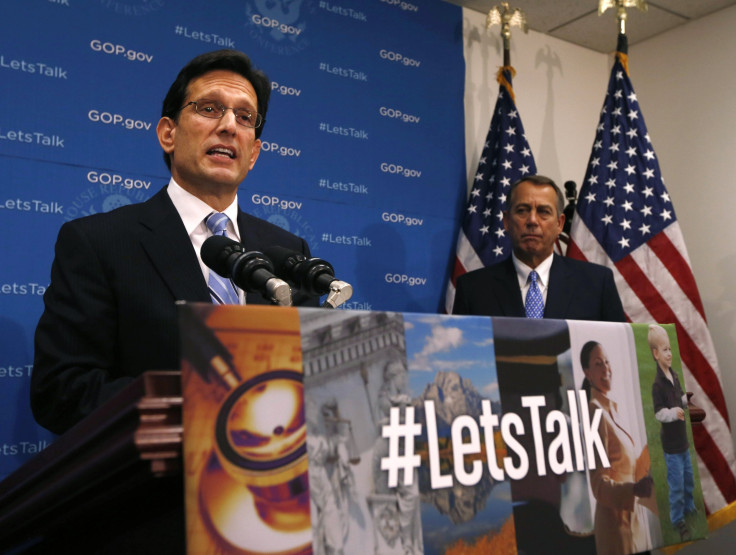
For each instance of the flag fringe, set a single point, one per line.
(501, 78)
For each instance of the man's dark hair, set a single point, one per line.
(540, 180)
(228, 60)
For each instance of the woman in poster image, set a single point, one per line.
(620, 521)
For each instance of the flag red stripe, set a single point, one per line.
(702, 371)
(645, 290)
(457, 271)
(713, 458)
(678, 267)
(573, 251)
(662, 313)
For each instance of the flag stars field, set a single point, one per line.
(506, 157)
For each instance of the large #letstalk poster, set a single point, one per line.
(340, 432)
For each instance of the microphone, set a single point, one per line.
(314, 276)
(250, 271)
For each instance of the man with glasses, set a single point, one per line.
(110, 309)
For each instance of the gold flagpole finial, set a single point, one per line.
(507, 18)
(621, 6)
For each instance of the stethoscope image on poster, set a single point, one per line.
(253, 491)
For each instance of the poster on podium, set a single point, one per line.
(337, 431)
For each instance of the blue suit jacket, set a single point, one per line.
(577, 291)
(110, 310)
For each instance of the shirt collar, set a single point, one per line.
(523, 271)
(193, 210)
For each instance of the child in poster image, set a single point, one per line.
(669, 400)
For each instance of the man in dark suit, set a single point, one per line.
(569, 289)
(110, 310)
(562, 288)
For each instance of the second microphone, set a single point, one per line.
(251, 271)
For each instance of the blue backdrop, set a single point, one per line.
(363, 152)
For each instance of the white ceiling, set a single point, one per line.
(577, 21)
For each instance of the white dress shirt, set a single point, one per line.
(523, 271)
(193, 212)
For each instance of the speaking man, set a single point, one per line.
(110, 309)
(534, 282)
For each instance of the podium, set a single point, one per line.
(113, 471)
(310, 430)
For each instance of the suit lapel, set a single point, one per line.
(250, 235)
(509, 298)
(560, 290)
(165, 240)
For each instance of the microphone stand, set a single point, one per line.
(340, 292)
(278, 292)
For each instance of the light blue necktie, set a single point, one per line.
(221, 289)
(534, 304)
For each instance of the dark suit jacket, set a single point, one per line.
(109, 311)
(577, 291)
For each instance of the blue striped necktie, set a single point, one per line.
(221, 289)
(534, 303)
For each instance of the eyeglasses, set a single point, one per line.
(215, 110)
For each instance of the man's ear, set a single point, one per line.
(255, 153)
(166, 131)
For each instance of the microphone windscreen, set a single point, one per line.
(216, 251)
(283, 259)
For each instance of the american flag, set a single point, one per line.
(506, 157)
(625, 220)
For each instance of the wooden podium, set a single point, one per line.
(113, 477)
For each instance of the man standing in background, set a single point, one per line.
(535, 282)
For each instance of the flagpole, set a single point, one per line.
(622, 46)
